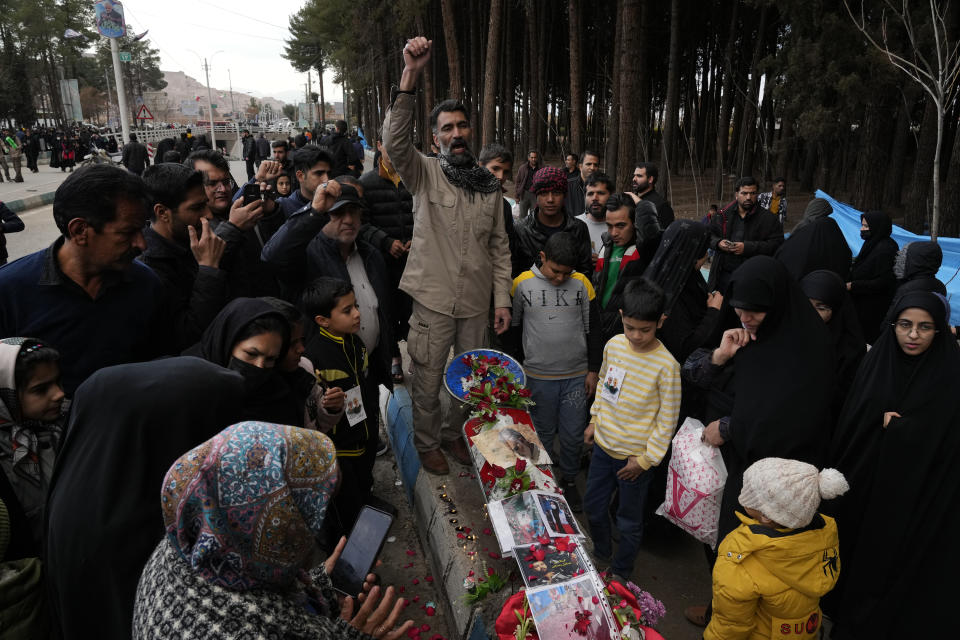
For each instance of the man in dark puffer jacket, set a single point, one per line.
(390, 216)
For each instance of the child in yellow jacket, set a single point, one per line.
(772, 570)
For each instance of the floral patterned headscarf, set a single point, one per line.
(245, 508)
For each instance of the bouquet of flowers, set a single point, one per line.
(491, 385)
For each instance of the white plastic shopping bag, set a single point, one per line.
(695, 480)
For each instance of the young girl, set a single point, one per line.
(31, 400)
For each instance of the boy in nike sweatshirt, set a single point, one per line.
(557, 308)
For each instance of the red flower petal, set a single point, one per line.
(411, 552)
(495, 556)
(489, 571)
(416, 581)
(595, 600)
(487, 531)
(471, 572)
(431, 611)
(424, 627)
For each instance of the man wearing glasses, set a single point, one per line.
(244, 228)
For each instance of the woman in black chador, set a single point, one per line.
(898, 442)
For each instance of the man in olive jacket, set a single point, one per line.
(459, 255)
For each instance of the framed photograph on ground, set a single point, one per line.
(557, 515)
(548, 564)
(502, 444)
(572, 610)
(516, 521)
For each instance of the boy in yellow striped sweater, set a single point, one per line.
(632, 422)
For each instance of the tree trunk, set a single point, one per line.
(950, 202)
(613, 126)
(919, 199)
(453, 49)
(578, 115)
(893, 182)
(642, 68)
(628, 90)
(667, 161)
(726, 101)
(490, 75)
(508, 87)
(748, 122)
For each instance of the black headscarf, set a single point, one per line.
(918, 271)
(844, 328)
(689, 322)
(267, 396)
(872, 274)
(647, 228)
(128, 424)
(881, 226)
(900, 518)
(817, 209)
(216, 344)
(816, 243)
(782, 382)
(683, 243)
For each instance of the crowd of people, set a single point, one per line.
(226, 343)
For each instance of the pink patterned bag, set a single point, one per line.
(695, 480)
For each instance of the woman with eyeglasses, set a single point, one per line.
(898, 444)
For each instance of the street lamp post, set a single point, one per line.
(206, 70)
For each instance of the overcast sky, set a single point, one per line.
(251, 34)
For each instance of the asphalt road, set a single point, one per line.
(40, 232)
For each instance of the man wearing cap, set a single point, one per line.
(459, 255)
(337, 252)
(550, 187)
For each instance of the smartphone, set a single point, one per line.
(251, 193)
(361, 551)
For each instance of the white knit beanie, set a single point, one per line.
(789, 491)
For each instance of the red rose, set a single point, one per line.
(516, 485)
(490, 571)
(523, 393)
(520, 466)
(498, 471)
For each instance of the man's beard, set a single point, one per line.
(599, 212)
(464, 159)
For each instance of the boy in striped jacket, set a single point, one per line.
(632, 422)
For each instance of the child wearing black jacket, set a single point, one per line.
(340, 360)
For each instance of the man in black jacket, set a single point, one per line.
(249, 152)
(263, 149)
(644, 182)
(741, 230)
(245, 228)
(341, 148)
(135, 156)
(183, 250)
(338, 252)
(550, 187)
(9, 223)
(390, 220)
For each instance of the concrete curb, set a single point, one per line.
(31, 202)
(447, 559)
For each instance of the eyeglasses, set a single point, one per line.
(226, 183)
(822, 307)
(906, 327)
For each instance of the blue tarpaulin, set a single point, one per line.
(849, 220)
